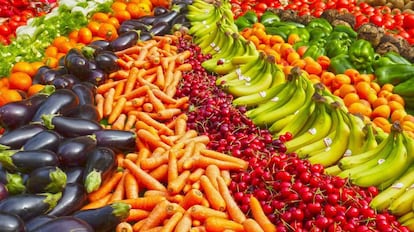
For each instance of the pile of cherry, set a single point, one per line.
(296, 195)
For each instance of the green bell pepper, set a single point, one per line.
(251, 16)
(303, 33)
(340, 63)
(348, 30)
(268, 17)
(381, 62)
(242, 22)
(282, 31)
(405, 88)
(362, 54)
(337, 43)
(396, 58)
(394, 73)
(320, 23)
(314, 51)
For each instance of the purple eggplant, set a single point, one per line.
(96, 76)
(28, 160)
(19, 113)
(49, 179)
(4, 192)
(70, 127)
(73, 151)
(104, 219)
(74, 174)
(74, 196)
(58, 102)
(11, 223)
(38, 221)
(16, 138)
(37, 78)
(86, 111)
(160, 28)
(62, 82)
(159, 10)
(99, 166)
(64, 223)
(28, 206)
(168, 16)
(85, 93)
(117, 140)
(133, 25)
(107, 61)
(124, 40)
(100, 44)
(47, 139)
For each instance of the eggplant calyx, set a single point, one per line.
(88, 51)
(48, 90)
(6, 159)
(93, 181)
(3, 147)
(47, 120)
(120, 210)
(57, 181)
(15, 184)
(51, 199)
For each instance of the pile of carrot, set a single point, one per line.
(172, 182)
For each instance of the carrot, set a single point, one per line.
(135, 49)
(131, 186)
(119, 191)
(199, 212)
(123, 227)
(119, 89)
(109, 100)
(144, 203)
(200, 139)
(180, 126)
(166, 114)
(103, 88)
(137, 92)
(106, 187)
(130, 121)
(137, 226)
(137, 214)
(169, 67)
(185, 67)
(172, 167)
(196, 174)
(117, 110)
(198, 229)
(188, 135)
(172, 85)
(213, 172)
(147, 107)
(200, 161)
(212, 194)
(181, 57)
(181, 103)
(172, 222)
(157, 215)
(143, 151)
(250, 225)
(218, 224)
(131, 80)
(158, 151)
(153, 162)
(233, 208)
(97, 203)
(147, 82)
(184, 224)
(154, 123)
(146, 179)
(258, 214)
(131, 156)
(225, 174)
(189, 150)
(192, 197)
(221, 156)
(142, 125)
(160, 173)
(155, 101)
(151, 139)
(99, 104)
(119, 75)
(160, 79)
(176, 185)
(123, 64)
(164, 97)
(119, 123)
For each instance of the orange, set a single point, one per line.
(11, 95)
(33, 89)
(361, 108)
(350, 98)
(363, 89)
(381, 111)
(394, 105)
(25, 67)
(388, 87)
(339, 80)
(20, 81)
(398, 115)
(345, 89)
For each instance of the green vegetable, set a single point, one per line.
(381, 62)
(362, 55)
(394, 73)
(242, 22)
(268, 17)
(314, 51)
(321, 24)
(337, 43)
(348, 30)
(405, 88)
(396, 58)
(251, 16)
(302, 32)
(340, 63)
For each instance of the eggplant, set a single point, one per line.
(13, 183)
(124, 40)
(107, 61)
(134, 25)
(181, 20)
(73, 151)
(58, 102)
(47, 77)
(102, 44)
(28, 160)
(71, 127)
(73, 198)
(104, 219)
(159, 10)
(61, 82)
(85, 93)
(11, 223)
(4, 193)
(145, 35)
(166, 17)
(74, 175)
(64, 223)
(78, 66)
(28, 205)
(19, 113)
(47, 140)
(86, 111)
(147, 19)
(117, 140)
(38, 76)
(99, 166)
(161, 28)
(49, 179)
(38, 221)
(96, 76)
(16, 138)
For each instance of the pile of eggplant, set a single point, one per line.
(54, 151)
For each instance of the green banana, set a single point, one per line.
(281, 123)
(384, 199)
(336, 150)
(370, 142)
(221, 38)
(248, 77)
(243, 68)
(357, 135)
(409, 224)
(332, 170)
(394, 165)
(404, 218)
(403, 203)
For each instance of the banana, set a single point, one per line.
(243, 68)
(396, 189)
(370, 142)
(403, 203)
(221, 37)
(281, 123)
(357, 136)
(332, 170)
(337, 149)
(409, 224)
(404, 218)
(348, 162)
(394, 165)
(409, 144)
(197, 13)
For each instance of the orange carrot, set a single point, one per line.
(144, 203)
(124, 227)
(172, 222)
(172, 166)
(137, 214)
(131, 80)
(155, 101)
(160, 79)
(119, 123)
(131, 156)
(99, 104)
(154, 123)
(119, 89)
(142, 125)
(225, 174)
(198, 228)
(106, 187)
(137, 225)
(188, 152)
(221, 156)
(117, 110)
(164, 97)
(151, 139)
(218, 224)
(137, 92)
(172, 85)
(160, 173)
(147, 82)
(169, 66)
(176, 185)
(184, 224)
(213, 172)
(143, 151)
(123, 64)
(182, 103)
(154, 162)
(157, 215)
(185, 67)
(167, 114)
(119, 75)
(188, 135)
(109, 100)
(180, 126)
(250, 225)
(146, 179)
(258, 214)
(97, 203)
(192, 197)
(130, 121)
(199, 212)
(147, 107)
(131, 186)
(196, 174)
(233, 208)
(212, 194)
(119, 191)
(103, 88)
(200, 161)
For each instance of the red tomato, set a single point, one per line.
(376, 19)
(4, 30)
(408, 21)
(260, 7)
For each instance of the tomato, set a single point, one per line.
(408, 21)
(261, 7)
(5, 30)
(376, 19)
(3, 40)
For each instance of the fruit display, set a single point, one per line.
(192, 115)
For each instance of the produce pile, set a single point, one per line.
(151, 115)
